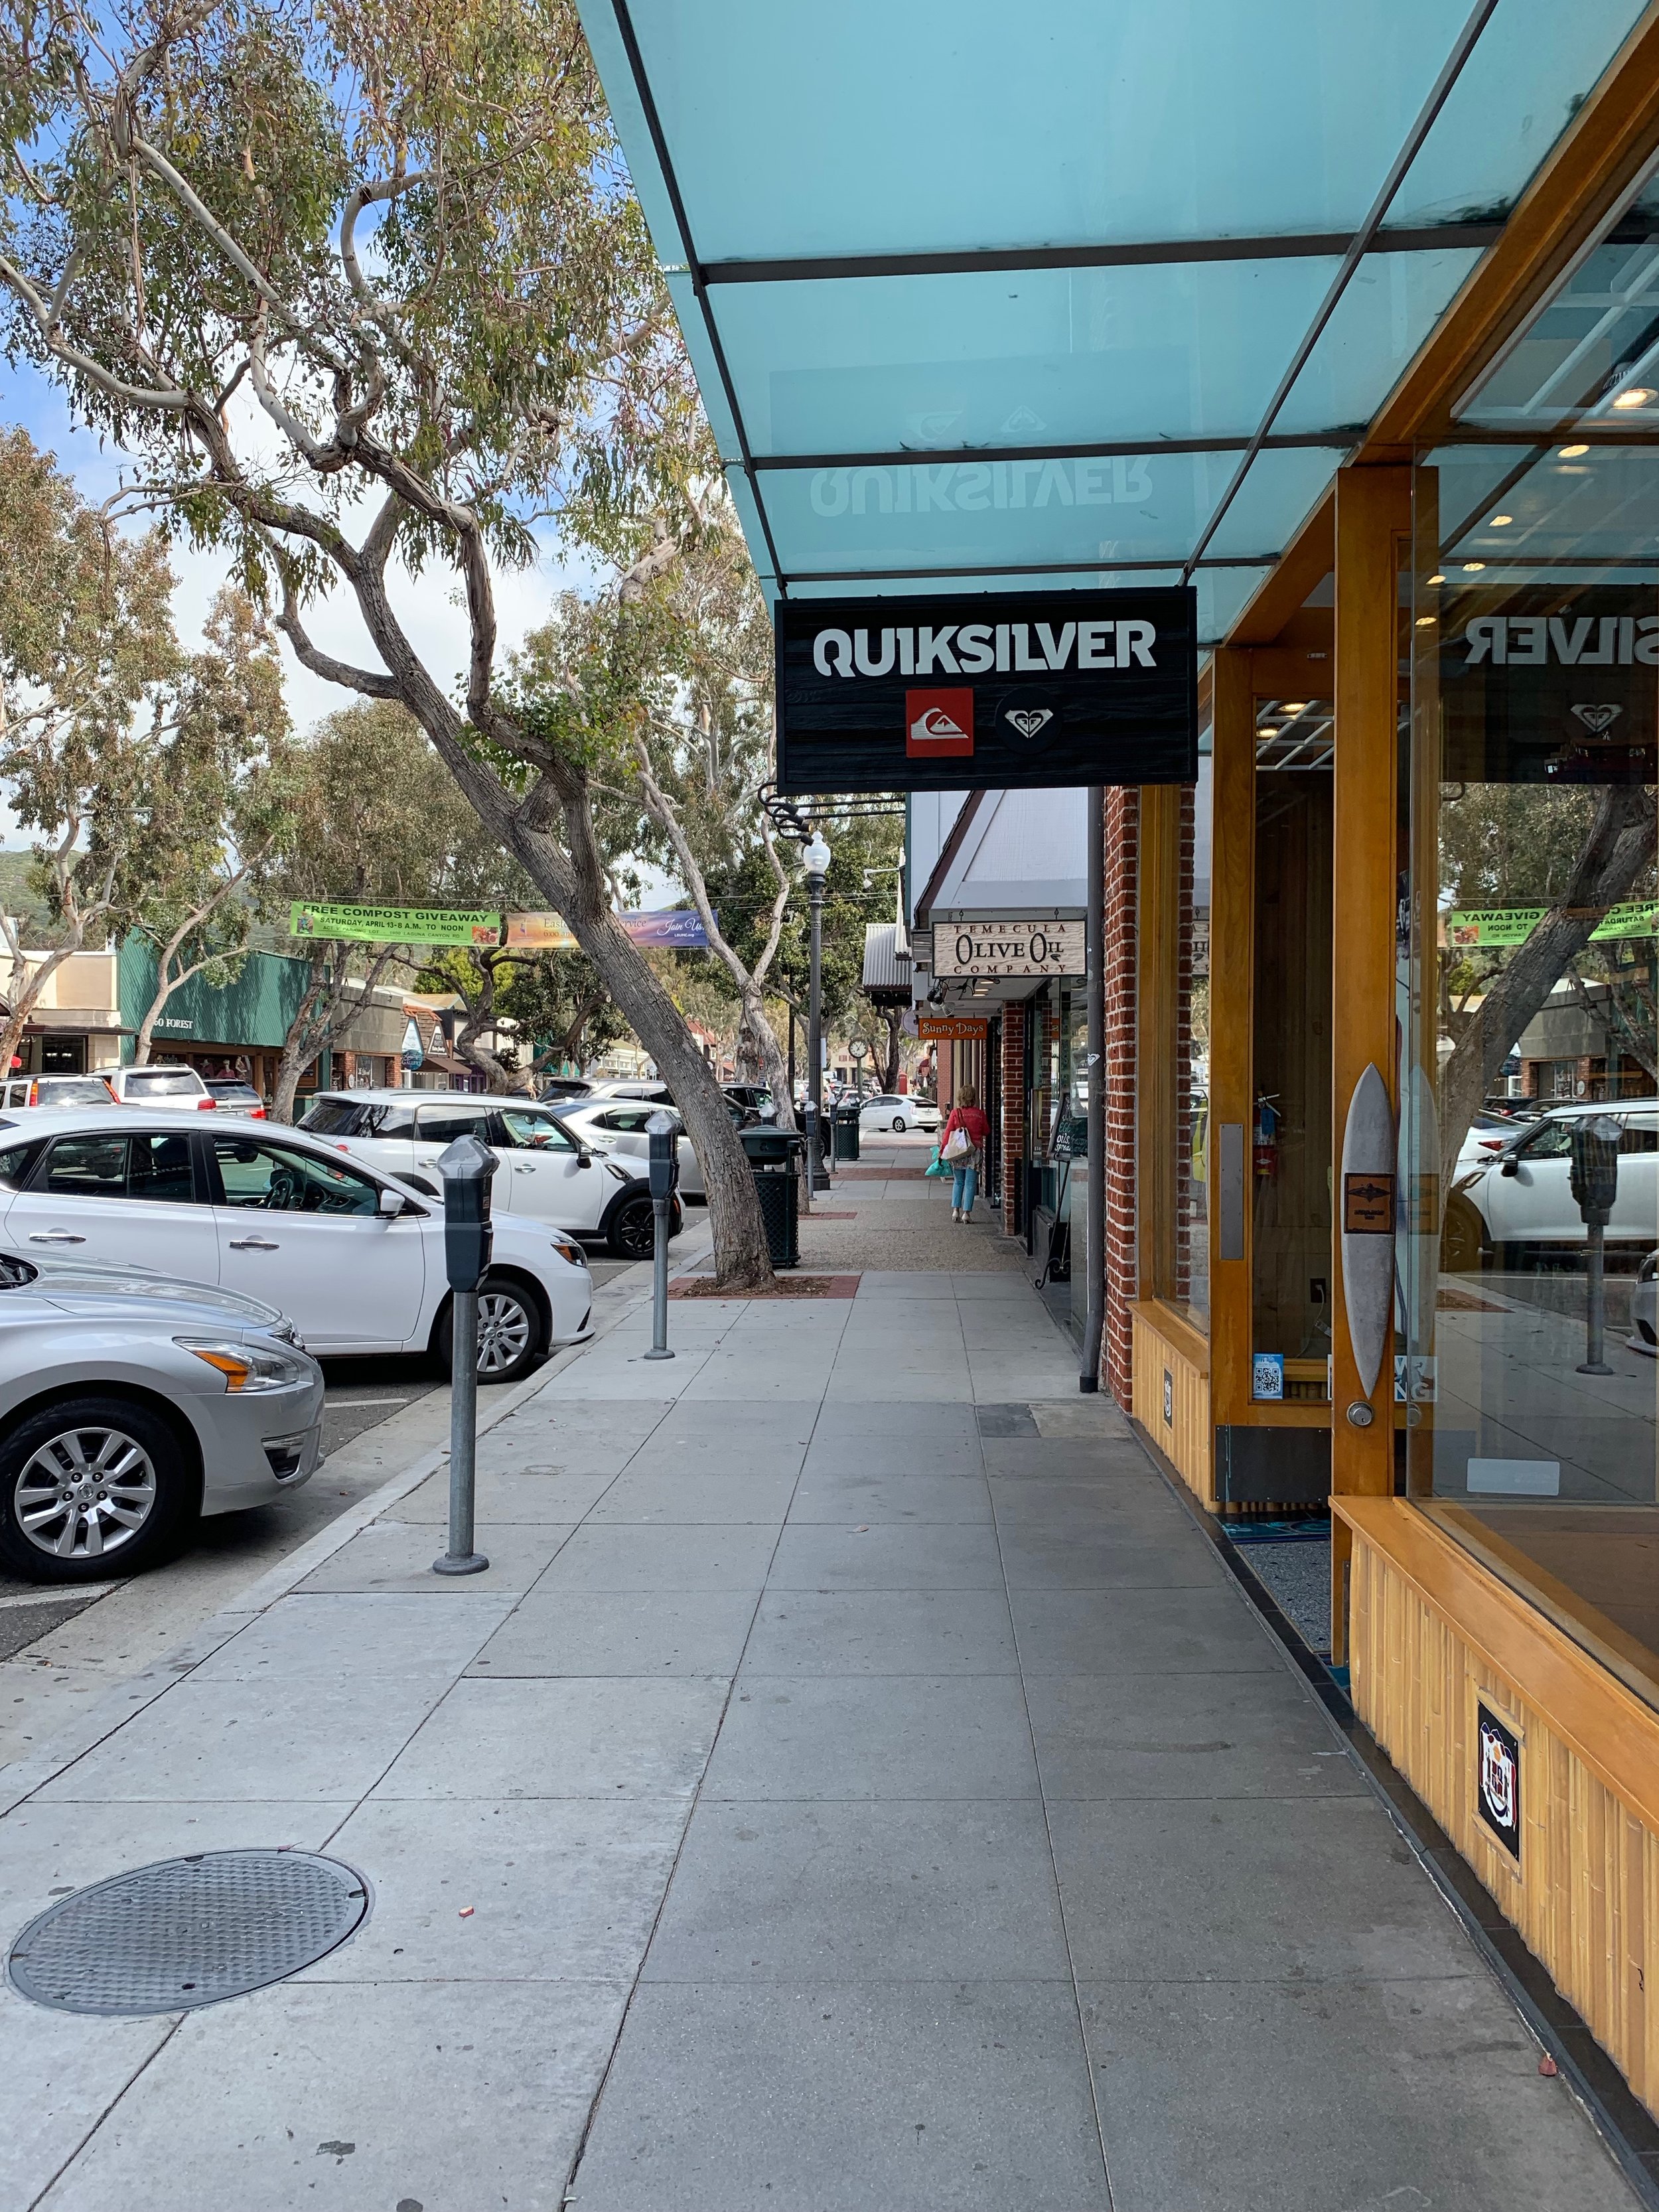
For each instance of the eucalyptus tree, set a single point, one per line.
(363, 287)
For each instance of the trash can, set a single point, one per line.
(847, 1129)
(776, 1159)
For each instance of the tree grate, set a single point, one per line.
(187, 1932)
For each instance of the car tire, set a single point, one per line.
(510, 1331)
(631, 1231)
(897, 1124)
(50, 1469)
(1464, 1248)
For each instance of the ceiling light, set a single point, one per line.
(1426, 622)
(1501, 521)
(1296, 705)
(1638, 396)
(1472, 567)
(1437, 578)
(1573, 452)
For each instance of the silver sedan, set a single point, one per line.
(129, 1404)
(620, 1125)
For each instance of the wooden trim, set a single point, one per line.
(1594, 163)
(1232, 995)
(1282, 1414)
(1158, 963)
(1373, 514)
(1305, 562)
(1177, 1330)
(1605, 1724)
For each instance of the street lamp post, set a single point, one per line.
(817, 858)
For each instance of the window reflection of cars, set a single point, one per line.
(1521, 1198)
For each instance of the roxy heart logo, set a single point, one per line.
(1031, 721)
(1598, 720)
(939, 725)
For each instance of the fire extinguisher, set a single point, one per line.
(1266, 1140)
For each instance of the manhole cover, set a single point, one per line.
(187, 1932)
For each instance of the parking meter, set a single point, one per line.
(1593, 1180)
(467, 1168)
(1593, 1177)
(663, 1134)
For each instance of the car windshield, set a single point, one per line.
(164, 1082)
(72, 1091)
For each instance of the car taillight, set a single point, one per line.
(258, 1114)
(206, 1105)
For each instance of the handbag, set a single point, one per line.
(957, 1146)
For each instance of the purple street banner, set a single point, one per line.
(675, 929)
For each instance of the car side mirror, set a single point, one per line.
(1510, 1167)
(583, 1158)
(390, 1202)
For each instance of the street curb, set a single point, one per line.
(22, 1778)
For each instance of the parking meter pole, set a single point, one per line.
(818, 1175)
(466, 1168)
(664, 1167)
(1593, 1180)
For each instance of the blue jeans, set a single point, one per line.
(965, 1188)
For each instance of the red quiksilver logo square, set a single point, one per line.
(939, 723)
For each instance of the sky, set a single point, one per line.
(429, 606)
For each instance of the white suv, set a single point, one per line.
(548, 1172)
(163, 1083)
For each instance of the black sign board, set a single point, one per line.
(1550, 683)
(1498, 1778)
(987, 692)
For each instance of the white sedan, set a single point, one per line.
(889, 1111)
(356, 1259)
(623, 1124)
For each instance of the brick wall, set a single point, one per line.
(1122, 901)
(1014, 1115)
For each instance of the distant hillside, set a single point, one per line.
(16, 897)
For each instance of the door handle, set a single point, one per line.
(253, 1244)
(55, 1237)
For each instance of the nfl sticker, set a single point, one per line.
(1498, 1778)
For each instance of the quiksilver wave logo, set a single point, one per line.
(983, 648)
(939, 723)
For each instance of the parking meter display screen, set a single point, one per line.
(1001, 692)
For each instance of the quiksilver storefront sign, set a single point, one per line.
(1549, 683)
(974, 692)
(1009, 948)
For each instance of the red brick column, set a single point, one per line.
(1121, 948)
(1012, 1073)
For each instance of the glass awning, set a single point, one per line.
(986, 297)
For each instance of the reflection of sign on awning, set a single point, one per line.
(1468, 926)
(1548, 683)
(946, 1029)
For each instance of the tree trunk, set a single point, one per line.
(299, 1049)
(890, 1074)
(1618, 848)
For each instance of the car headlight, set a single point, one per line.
(285, 1333)
(246, 1368)
(569, 1250)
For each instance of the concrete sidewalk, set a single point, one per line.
(868, 1792)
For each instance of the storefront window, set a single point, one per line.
(1291, 1139)
(1192, 1049)
(1530, 1063)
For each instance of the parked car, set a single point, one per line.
(622, 1125)
(1522, 1199)
(131, 1403)
(629, 1087)
(889, 1111)
(554, 1176)
(236, 1097)
(1489, 1133)
(354, 1257)
(162, 1083)
(1644, 1309)
(751, 1097)
(54, 1091)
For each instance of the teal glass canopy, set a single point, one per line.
(982, 297)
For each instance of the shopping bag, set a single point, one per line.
(957, 1146)
(935, 1166)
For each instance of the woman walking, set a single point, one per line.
(965, 1116)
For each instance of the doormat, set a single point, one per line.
(783, 1287)
(879, 1175)
(819, 1214)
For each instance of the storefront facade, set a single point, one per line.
(1412, 886)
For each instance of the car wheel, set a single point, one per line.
(633, 1231)
(89, 1488)
(509, 1332)
(898, 1125)
(1463, 1247)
